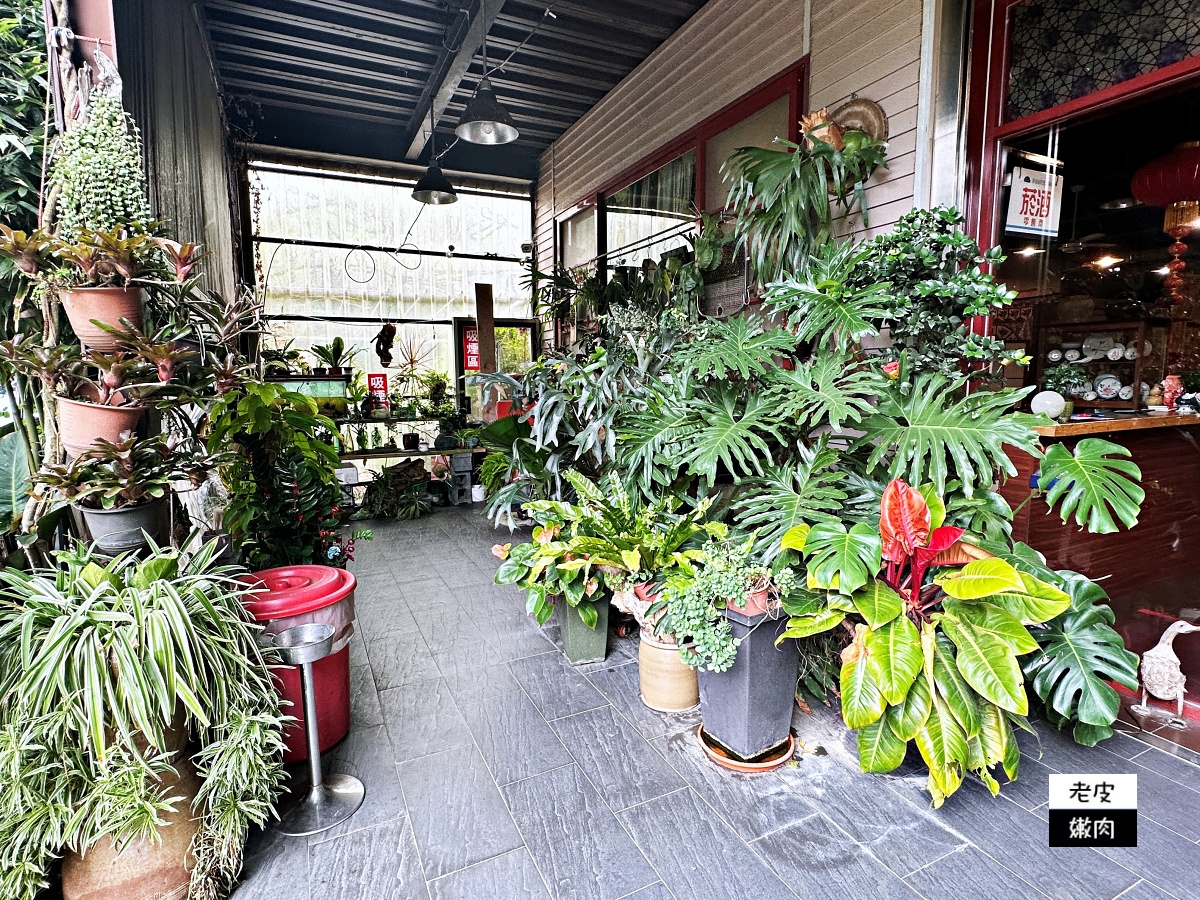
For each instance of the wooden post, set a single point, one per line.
(487, 328)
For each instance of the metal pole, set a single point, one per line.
(310, 725)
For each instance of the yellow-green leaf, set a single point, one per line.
(878, 603)
(862, 699)
(989, 665)
(993, 620)
(907, 718)
(795, 537)
(879, 749)
(894, 656)
(808, 625)
(981, 578)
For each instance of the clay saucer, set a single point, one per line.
(766, 761)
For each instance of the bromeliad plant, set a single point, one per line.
(98, 663)
(941, 621)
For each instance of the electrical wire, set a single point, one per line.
(487, 73)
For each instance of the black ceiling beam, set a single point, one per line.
(448, 71)
(274, 78)
(230, 58)
(391, 112)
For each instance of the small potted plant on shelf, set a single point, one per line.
(1064, 379)
(335, 356)
(122, 489)
(726, 612)
(145, 733)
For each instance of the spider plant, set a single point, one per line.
(96, 663)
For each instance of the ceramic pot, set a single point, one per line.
(667, 683)
(81, 424)
(1171, 390)
(580, 643)
(141, 870)
(103, 304)
(1068, 411)
(748, 708)
(121, 530)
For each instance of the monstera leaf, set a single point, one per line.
(1093, 485)
(1081, 653)
(786, 496)
(935, 432)
(730, 432)
(842, 560)
(738, 346)
(829, 390)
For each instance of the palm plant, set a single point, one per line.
(97, 661)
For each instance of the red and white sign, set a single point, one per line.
(1034, 202)
(471, 348)
(377, 385)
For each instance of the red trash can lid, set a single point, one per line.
(293, 590)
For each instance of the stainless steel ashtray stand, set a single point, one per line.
(332, 799)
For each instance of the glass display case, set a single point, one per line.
(1119, 362)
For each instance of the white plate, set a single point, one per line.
(1054, 356)
(1131, 353)
(1126, 392)
(1147, 348)
(1072, 355)
(1098, 343)
(1089, 396)
(1107, 387)
(1116, 352)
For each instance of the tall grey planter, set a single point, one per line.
(748, 708)
(118, 531)
(580, 643)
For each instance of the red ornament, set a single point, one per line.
(1170, 178)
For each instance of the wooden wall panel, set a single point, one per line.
(172, 93)
(873, 50)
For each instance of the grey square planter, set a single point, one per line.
(580, 643)
(749, 707)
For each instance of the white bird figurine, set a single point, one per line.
(1161, 673)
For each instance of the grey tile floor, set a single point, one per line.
(494, 770)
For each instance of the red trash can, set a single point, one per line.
(297, 595)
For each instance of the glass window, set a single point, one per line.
(757, 130)
(577, 239)
(652, 216)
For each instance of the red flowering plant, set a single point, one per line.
(340, 547)
(940, 625)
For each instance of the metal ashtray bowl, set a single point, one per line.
(304, 643)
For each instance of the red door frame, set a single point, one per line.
(986, 128)
(792, 82)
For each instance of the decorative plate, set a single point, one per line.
(1107, 387)
(1126, 392)
(1054, 356)
(1089, 396)
(1147, 348)
(1098, 343)
(1072, 355)
(1116, 352)
(1131, 353)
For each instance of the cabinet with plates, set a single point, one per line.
(1119, 362)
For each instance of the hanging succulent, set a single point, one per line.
(97, 172)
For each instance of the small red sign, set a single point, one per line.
(377, 385)
(471, 348)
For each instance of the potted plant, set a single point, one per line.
(726, 613)
(121, 489)
(1064, 379)
(550, 570)
(146, 733)
(334, 355)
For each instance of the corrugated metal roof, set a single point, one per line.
(358, 77)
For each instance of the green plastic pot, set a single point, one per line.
(580, 643)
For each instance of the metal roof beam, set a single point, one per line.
(295, 44)
(264, 62)
(448, 71)
(392, 111)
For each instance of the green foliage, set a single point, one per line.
(14, 477)
(283, 492)
(803, 493)
(98, 172)
(724, 575)
(1063, 378)
(132, 472)
(936, 282)
(785, 200)
(931, 431)
(1080, 655)
(740, 347)
(97, 662)
(1092, 484)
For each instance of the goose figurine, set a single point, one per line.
(1161, 674)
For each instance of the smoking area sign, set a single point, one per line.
(1093, 810)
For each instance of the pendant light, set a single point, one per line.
(434, 187)
(485, 121)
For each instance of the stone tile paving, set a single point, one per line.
(496, 771)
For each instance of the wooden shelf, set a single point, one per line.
(1106, 426)
(388, 454)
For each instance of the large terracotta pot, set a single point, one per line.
(143, 870)
(81, 424)
(104, 304)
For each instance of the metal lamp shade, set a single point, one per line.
(435, 188)
(485, 121)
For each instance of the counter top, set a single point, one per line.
(1108, 426)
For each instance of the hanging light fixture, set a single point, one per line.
(434, 187)
(485, 121)
(1173, 181)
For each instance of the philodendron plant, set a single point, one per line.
(946, 629)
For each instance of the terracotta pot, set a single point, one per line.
(104, 304)
(667, 683)
(757, 603)
(143, 870)
(81, 424)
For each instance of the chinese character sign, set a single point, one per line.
(377, 385)
(1093, 810)
(1034, 202)
(471, 348)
